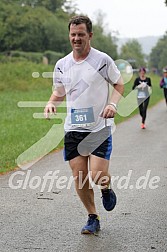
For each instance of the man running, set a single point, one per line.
(84, 77)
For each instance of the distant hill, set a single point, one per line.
(147, 43)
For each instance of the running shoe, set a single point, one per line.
(109, 199)
(92, 226)
(143, 126)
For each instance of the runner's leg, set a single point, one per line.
(165, 95)
(145, 105)
(140, 104)
(79, 166)
(99, 170)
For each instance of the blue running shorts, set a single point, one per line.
(78, 143)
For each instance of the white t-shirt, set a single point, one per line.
(86, 85)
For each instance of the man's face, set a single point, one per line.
(79, 37)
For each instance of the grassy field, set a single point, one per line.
(19, 130)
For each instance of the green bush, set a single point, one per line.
(53, 57)
(5, 59)
(31, 56)
(36, 57)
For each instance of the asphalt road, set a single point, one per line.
(39, 214)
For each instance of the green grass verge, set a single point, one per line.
(19, 130)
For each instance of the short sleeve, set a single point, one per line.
(57, 76)
(113, 72)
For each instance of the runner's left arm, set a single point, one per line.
(118, 90)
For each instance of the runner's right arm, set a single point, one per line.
(56, 98)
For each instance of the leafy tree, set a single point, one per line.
(32, 29)
(132, 52)
(9, 14)
(56, 32)
(25, 31)
(158, 55)
(51, 5)
(70, 7)
(102, 40)
(31, 25)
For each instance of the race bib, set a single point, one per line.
(141, 94)
(82, 117)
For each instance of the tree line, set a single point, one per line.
(41, 25)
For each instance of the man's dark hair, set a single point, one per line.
(81, 20)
